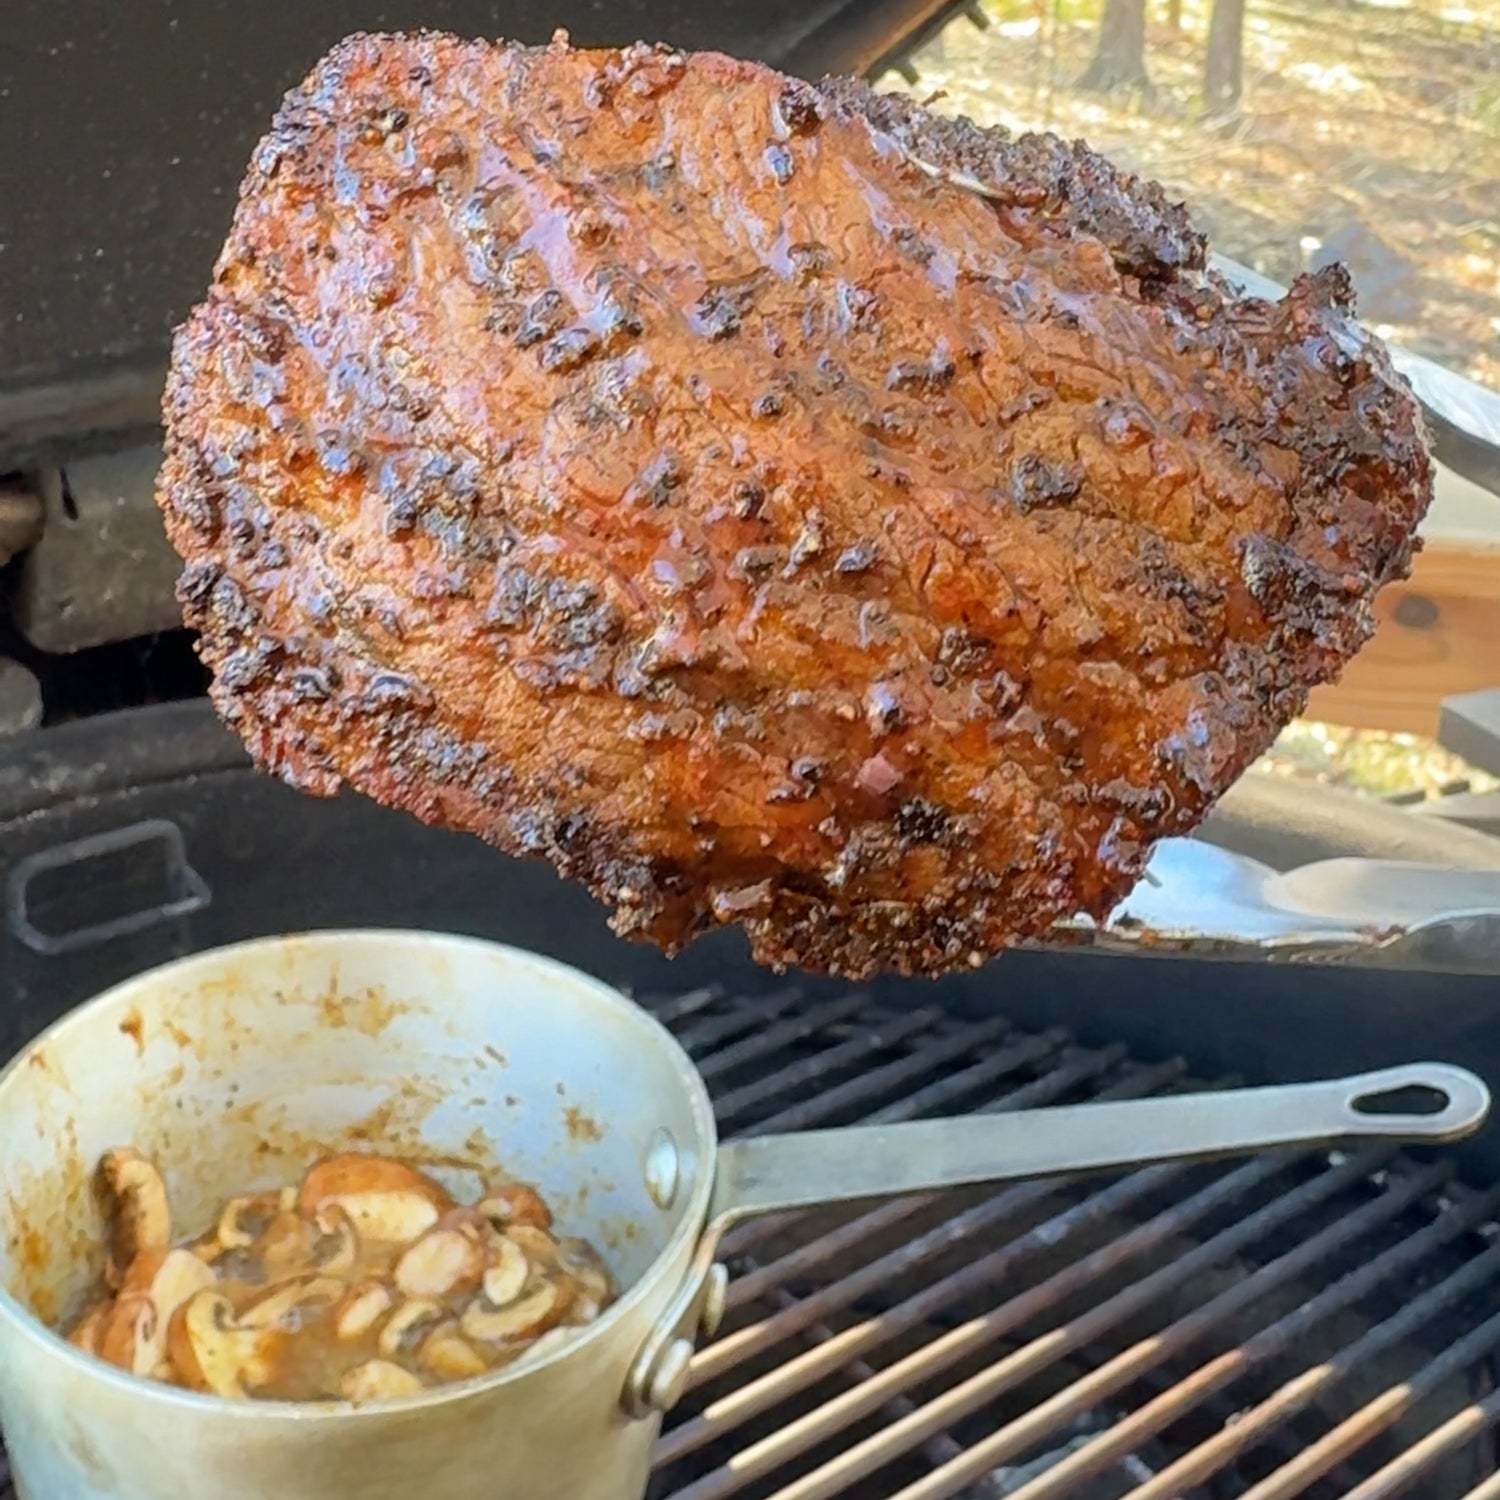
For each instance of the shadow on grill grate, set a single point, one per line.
(1317, 1325)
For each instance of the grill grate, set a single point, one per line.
(1314, 1325)
(1317, 1325)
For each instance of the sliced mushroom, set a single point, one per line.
(537, 1243)
(516, 1203)
(451, 1357)
(584, 1310)
(379, 1380)
(88, 1332)
(286, 1247)
(245, 1219)
(352, 1214)
(211, 1351)
(409, 1324)
(582, 1262)
(286, 1306)
(534, 1314)
(132, 1199)
(442, 1262)
(474, 1226)
(473, 1223)
(158, 1282)
(386, 1200)
(336, 1249)
(362, 1307)
(505, 1280)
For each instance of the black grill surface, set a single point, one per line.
(1318, 1325)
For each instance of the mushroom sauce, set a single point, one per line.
(364, 1282)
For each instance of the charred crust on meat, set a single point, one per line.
(799, 107)
(1066, 185)
(568, 350)
(658, 480)
(913, 245)
(858, 307)
(808, 261)
(896, 426)
(658, 173)
(545, 315)
(230, 608)
(962, 651)
(858, 558)
(749, 499)
(241, 668)
(930, 374)
(195, 585)
(754, 563)
(717, 314)
(313, 684)
(1037, 483)
(891, 681)
(919, 821)
(620, 318)
(339, 455)
(809, 542)
(884, 711)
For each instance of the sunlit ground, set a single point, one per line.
(1381, 765)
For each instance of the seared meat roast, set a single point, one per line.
(658, 464)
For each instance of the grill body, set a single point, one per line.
(1086, 1340)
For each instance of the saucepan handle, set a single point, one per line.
(766, 1174)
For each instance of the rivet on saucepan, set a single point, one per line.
(669, 1377)
(715, 1300)
(663, 1170)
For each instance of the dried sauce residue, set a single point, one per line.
(581, 1129)
(135, 1029)
(368, 1011)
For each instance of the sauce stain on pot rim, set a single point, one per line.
(247, 973)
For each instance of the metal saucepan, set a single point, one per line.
(236, 1067)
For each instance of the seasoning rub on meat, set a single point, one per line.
(658, 464)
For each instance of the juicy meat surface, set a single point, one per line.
(657, 464)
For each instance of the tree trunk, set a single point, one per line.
(1120, 59)
(1224, 68)
(1174, 14)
